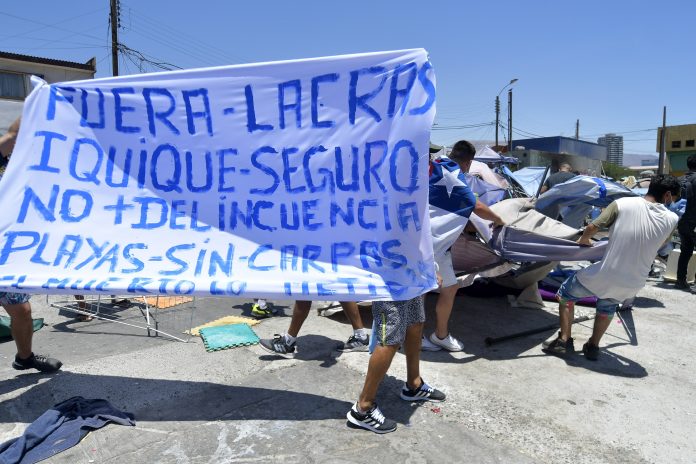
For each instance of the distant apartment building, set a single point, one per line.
(680, 143)
(614, 144)
(15, 84)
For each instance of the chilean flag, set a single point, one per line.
(450, 205)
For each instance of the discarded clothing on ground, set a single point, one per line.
(61, 428)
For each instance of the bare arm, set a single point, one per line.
(484, 212)
(604, 220)
(587, 234)
(7, 141)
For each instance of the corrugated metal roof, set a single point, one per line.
(89, 66)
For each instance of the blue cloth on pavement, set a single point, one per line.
(60, 428)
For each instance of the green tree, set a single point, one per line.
(615, 171)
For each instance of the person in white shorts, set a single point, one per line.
(460, 197)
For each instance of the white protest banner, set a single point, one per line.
(302, 179)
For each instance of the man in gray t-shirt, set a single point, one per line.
(639, 227)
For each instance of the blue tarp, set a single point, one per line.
(528, 178)
(574, 199)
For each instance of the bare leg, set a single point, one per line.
(601, 324)
(566, 314)
(443, 309)
(380, 360)
(22, 327)
(412, 348)
(353, 314)
(299, 313)
(83, 307)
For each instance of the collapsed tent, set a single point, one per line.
(530, 236)
(519, 254)
(574, 199)
(482, 170)
(487, 193)
(529, 179)
(488, 155)
(527, 237)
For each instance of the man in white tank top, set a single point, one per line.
(638, 228)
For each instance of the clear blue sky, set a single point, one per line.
(611, 64)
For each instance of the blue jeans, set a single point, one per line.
(572, 290)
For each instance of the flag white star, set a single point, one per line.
(450, 179)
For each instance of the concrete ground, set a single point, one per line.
(508, 403)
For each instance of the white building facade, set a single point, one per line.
(614, 144)
(16, 71)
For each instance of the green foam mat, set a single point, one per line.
(228, 336)
(6, 332)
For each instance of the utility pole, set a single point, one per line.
(510, 121)
(577, 129)
(497, 109)
(113, 20)
(663, 141)
(497, 118)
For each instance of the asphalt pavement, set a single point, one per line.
(507, 403)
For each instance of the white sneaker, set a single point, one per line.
(427, 345)
(449, 343)
(329, 308)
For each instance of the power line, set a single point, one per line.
(181, 50)
(526, 133)
(192, 43)
(143, 58)
(463, 126)
(143, 26)
(49, 25)
(622, 132)
(44, 26)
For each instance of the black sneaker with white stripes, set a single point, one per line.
(355, 344)
(423, 393)
(373, 420)
(278, 345)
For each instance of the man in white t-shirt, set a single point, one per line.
(639, 227)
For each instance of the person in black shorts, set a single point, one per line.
(687, 226)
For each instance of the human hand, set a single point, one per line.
(439, 279)
(584, 241)
(498, 222)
